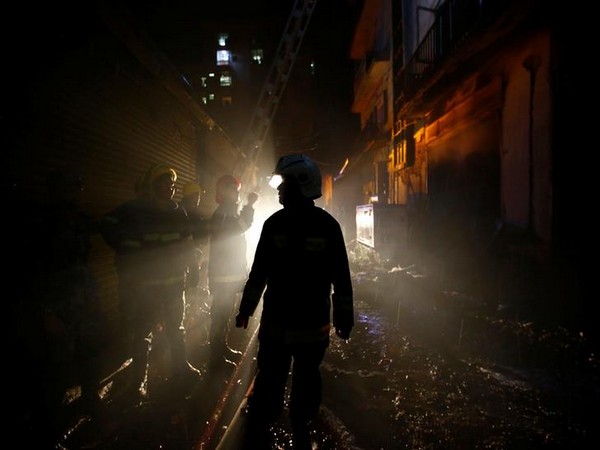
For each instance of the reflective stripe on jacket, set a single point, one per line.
(151, 244)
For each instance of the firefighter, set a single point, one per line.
(154, 248)
(196, 286)
(227, 265)
(301, 261)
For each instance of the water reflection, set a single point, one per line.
(415, 375)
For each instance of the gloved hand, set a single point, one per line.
(241, 321)
(343, 333)
(343, 321)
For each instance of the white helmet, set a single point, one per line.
(304, 170)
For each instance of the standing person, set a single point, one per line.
(153, 244)
(227, 266)
(302, 262)
(196, 285)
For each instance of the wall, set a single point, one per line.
(77, 97)
(526, 141)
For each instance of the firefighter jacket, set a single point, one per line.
(302, 262)
(152, 244)
(227, 248)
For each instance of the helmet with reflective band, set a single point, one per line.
(192, 188)
(304, 171)
(155, 172)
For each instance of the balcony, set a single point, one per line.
(462, 29)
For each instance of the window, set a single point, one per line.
(257, 56)
(222, 38)
(223, 57)
(203, 81)
(225, 79)
(226, 100)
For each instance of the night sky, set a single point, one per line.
(35, 45)
(172, 24)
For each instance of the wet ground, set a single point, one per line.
(400, 391)
(418, 373)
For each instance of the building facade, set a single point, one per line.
(459, 102)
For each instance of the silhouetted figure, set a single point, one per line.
(60, 317)
(153, 243)
(227, 266)
(196, 285)
(302, 262)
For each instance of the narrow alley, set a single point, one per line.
(419, 372)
